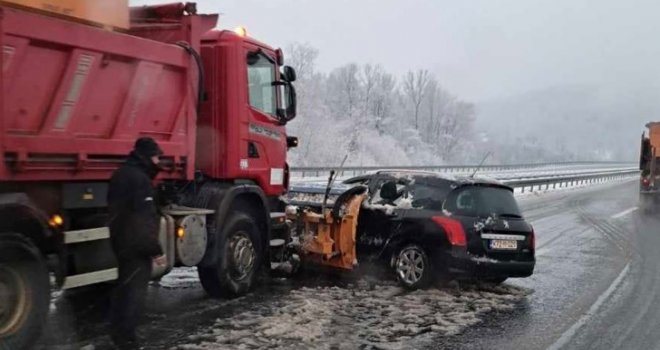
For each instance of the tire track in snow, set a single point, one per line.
(568, 335)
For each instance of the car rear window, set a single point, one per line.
(482, 201)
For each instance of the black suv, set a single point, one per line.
(426, 225)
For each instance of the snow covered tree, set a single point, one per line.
(414, 85)
(343, 90)
(302, 57)
(360, 110)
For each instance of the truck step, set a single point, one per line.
(91, 234)
(85, 279)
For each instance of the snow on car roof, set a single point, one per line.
(480, 180)
(460, 180)
(403, 173)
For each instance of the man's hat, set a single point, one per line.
(146, 146)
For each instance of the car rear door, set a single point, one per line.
(492, 221)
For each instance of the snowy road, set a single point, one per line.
(597, 285)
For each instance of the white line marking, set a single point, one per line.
(624, 213)
(570, 333)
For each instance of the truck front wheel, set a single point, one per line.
(24, 292)
(239, 261)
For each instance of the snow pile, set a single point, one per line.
(383, 316)
(180, 277)
(387, 208)
(299, 197)
(404, 203)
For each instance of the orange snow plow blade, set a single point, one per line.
(329, 238)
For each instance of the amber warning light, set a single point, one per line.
(180, 232)
(241, 31)
(56, 221)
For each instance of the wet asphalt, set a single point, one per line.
(596, 286)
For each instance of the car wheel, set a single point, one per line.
(412, 267)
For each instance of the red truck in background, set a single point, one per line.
(649, 185)
(76, 97)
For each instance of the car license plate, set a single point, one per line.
(503, 244)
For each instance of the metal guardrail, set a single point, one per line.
(526, 183)
(355, 171)
(569, 180)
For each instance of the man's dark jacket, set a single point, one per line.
(134, 219)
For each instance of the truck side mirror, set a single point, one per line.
(288, 92)
(291, 101)
(289, 74)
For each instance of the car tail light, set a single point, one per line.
(532, 240)
(453, 228)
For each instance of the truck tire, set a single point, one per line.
(24, 292)
(239, 260)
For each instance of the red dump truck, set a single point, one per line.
(75, 97)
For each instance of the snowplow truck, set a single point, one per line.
(76, 94)
(649, 185)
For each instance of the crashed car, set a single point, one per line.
(423, 226)
(426, 225)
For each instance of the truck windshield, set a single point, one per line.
(261, 75)
(482, 201)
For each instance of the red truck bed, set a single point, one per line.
(76, 97)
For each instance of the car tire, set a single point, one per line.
(412, 267)
(239, 260)
(25, 292)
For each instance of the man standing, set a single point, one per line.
(134, 226)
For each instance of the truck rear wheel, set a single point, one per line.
(24, 292)
(240, 258)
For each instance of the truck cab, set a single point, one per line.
(241, 129)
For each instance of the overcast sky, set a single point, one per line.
(480, 49)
